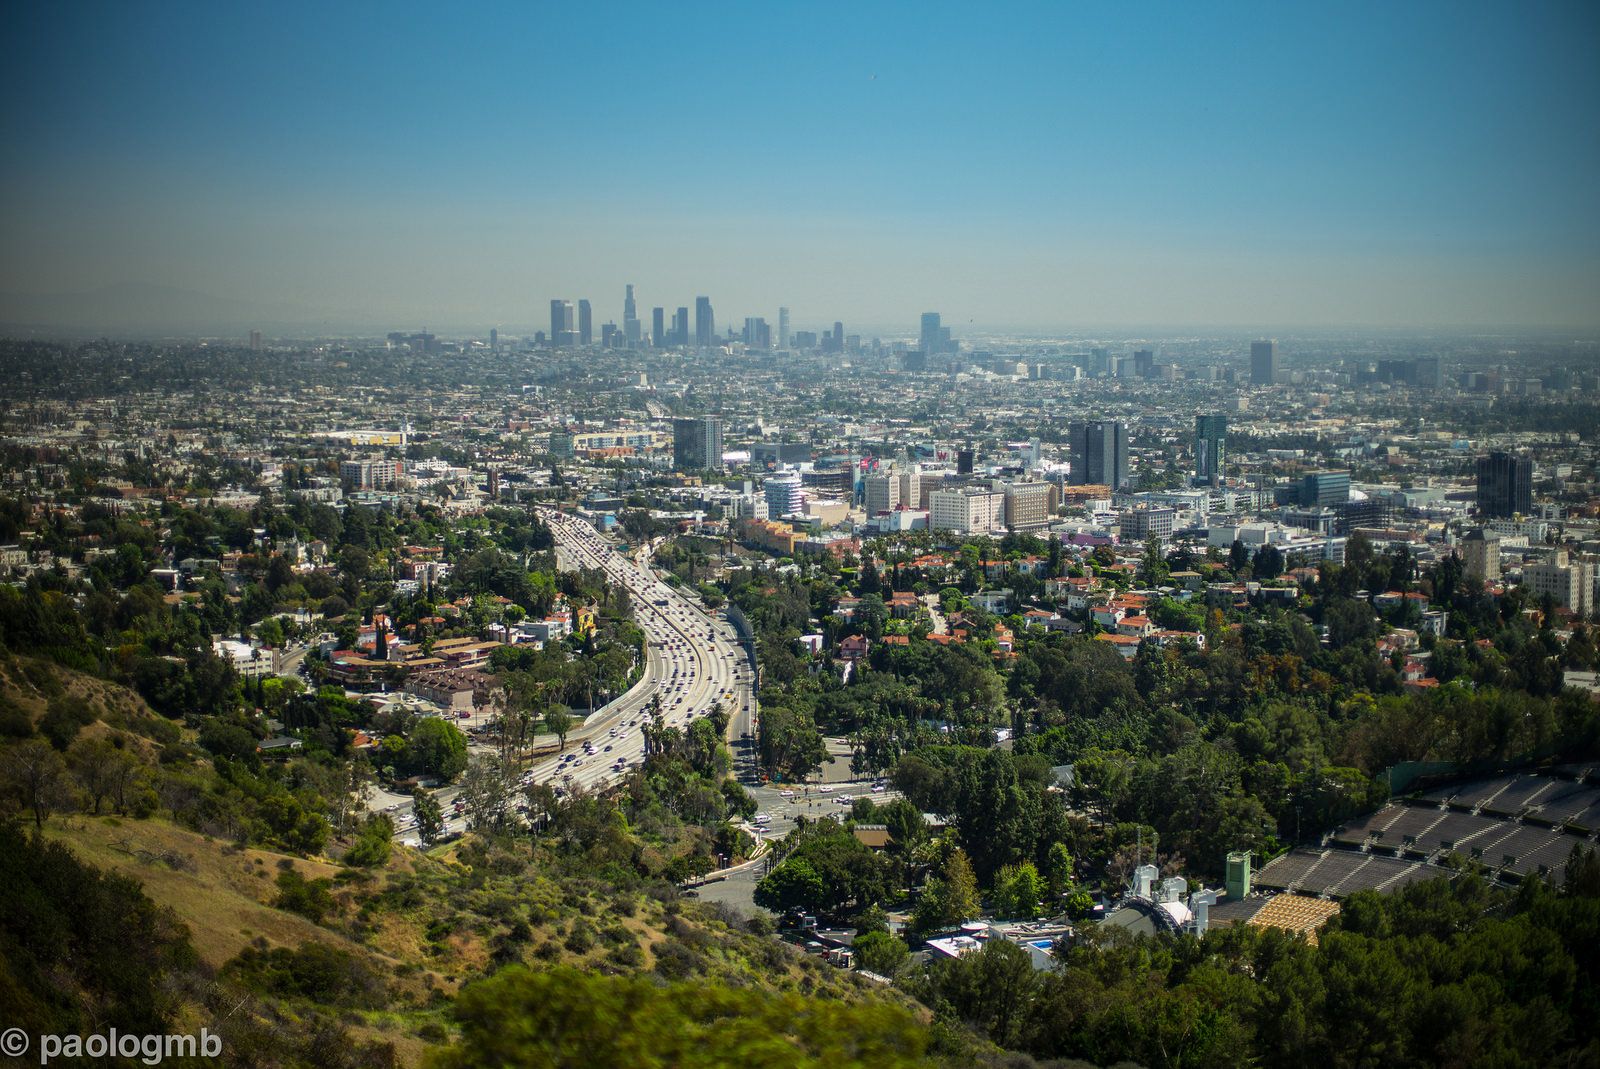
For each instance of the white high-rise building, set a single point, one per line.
(967, 511)
(784, 494)
(751, 506)
(1029, 504)
(913, 495)
(1569, 582)
(1480, 552)
(882, 493)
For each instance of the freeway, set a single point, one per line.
(692, 662)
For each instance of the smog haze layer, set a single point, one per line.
(193, 167)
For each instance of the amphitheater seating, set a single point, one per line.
(1550, 857)
(1520, 793)
(1524, 824)
(1568, 801)
(1287, 871)
(1472, 795)
(1413, 825)
(1359, 831)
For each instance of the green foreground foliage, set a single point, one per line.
(1439, 974)
(566, 1019)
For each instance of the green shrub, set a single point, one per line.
(311, 899)
(314, 971)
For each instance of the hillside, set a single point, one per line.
(418, 929)
(294, 952)
(34, 688)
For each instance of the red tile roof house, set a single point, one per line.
(1109, 615)
(1126, 645)
(902, 604)
(1038, 617)
(1135, 626)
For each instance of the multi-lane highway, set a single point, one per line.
(692, 662)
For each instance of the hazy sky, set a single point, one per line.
(1009, 164)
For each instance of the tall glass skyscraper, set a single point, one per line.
(1099, 453)
(1210, 442)
(1263, 363)
(562, 330)
(1505, 484)
(697, 443)
(705, 324)
(1325, 489)
(631, 329)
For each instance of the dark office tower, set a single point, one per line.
(757, 335)
(1210, 441)
(697, 443)
(585, 323)
(965, 459)
(255, 340)
(1427, 373)
(658, 327)
(838, 336)
(1263, 363)
(1505, 485)
(1325, 489)
(705, 323)
(494, 340)
(609, 336)
(561, 323)
(783, 328)
(1099, 453)
(928, 337)
(632, 330)
(1369, 512)
(680, 326)
(1144, 363)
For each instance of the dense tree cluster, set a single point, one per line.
(1438, 974)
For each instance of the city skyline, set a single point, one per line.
(511, 510)
(1255, 167)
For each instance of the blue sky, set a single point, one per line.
(1009, 164)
